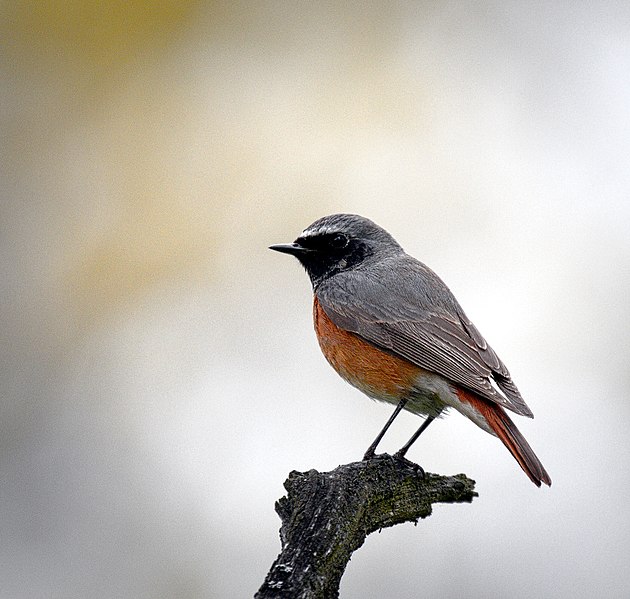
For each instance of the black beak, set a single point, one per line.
(295, 249)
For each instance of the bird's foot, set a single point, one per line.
(400, 456)
(368, 455)
(397, 457)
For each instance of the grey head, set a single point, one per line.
(337, 243)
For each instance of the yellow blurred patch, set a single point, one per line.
(98, 32)
(153, 244)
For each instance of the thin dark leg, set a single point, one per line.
(372, 448)
(401, 452)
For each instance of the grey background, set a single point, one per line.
(159, 373)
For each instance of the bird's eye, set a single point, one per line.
(339, 241)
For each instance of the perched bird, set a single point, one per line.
(390, 327)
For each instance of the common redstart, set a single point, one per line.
(390, 327)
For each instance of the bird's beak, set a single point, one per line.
(295, 249)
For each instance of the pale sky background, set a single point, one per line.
(160, 377)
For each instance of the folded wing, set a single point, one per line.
(398, 314)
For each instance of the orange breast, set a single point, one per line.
(376, 373)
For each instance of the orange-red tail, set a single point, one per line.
(506, 430)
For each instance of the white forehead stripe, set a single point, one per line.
(318, 231)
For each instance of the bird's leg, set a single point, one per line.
(372, 448)
(403, 450)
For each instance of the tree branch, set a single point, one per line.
(327, 516)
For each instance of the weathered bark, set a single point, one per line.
(327, 516)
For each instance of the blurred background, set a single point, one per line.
(160, 377)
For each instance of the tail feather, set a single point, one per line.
(506, 430)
